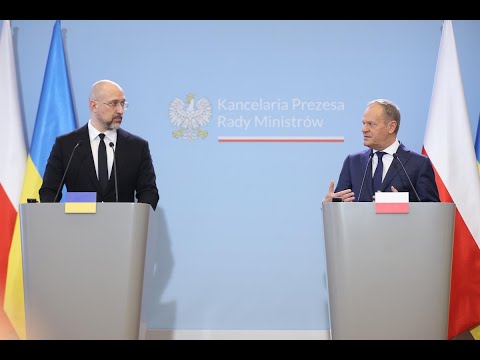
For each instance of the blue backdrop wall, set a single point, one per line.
(242, 242)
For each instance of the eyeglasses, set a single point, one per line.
(114, 104)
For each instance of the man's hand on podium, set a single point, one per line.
(346, 195)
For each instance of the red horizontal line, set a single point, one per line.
(283, 140)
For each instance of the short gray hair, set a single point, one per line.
(390, 108)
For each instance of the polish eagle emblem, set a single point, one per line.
(190, 116)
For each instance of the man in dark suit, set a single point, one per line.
(92, 163)
(380, 167)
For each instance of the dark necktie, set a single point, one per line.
(102, 164)
(377, 176)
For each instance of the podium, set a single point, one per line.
(83, 273)
(388, 274)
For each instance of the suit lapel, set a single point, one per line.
(367, 191)
(120, 155)
(390, 175)
(87, 159)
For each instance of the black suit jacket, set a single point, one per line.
(418, 167)
(136, 176)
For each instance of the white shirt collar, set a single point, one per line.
(93, 133)
(392, 149)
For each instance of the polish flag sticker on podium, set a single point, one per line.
(391, 203)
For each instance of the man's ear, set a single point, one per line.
(392, 126)
(92, 105)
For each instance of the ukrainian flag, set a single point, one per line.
(81, 202)
(55, 116)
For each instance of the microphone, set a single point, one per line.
(66, 170)
(395, 156)
(115, 169)
(364, 174)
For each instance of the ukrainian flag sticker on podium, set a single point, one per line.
(81, 203)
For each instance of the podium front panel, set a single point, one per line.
(388, 274)
(83, 273)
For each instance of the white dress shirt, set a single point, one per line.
(387, 159)
(110, 136)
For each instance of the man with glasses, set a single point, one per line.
(85, 159)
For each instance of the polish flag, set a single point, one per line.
(392, 203)
(449, 144)
(13, 157)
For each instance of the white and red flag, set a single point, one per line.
(392, 203)
(449, 144)
(13, 156)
